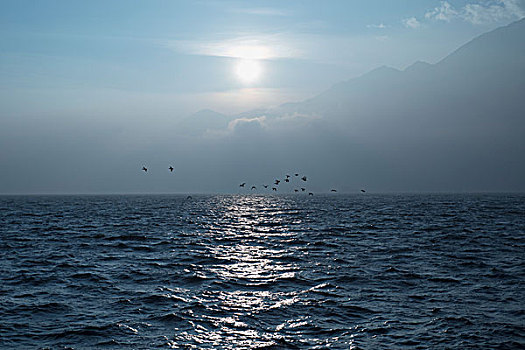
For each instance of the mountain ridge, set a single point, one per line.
(456, 125)
(388, 75)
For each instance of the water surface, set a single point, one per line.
(267, 272)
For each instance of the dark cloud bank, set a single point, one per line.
(458, 125)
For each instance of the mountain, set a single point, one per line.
(493, 63)
(201, 121)
(457, 125)
(475, 92)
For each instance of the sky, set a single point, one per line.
(107, 76)
(177, 57)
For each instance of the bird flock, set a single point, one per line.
(275, 187)
(171, 168)
(298, 183)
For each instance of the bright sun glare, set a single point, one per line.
(248, 71)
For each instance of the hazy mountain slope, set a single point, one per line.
(201, 121)
(490, 65)
(457, 125)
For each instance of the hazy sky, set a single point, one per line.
(92, 90)
(172, 58)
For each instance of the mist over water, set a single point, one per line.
(452, 126)
(261, 271)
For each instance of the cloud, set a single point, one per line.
(411, 22)
(254, 47)
(239, 127)
(276, 120)
(445, 12)
(479, 13)
(293, 120)
(272, 121)
(500, 11)
(377, 26)
(247, 125)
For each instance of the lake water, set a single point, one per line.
(262, 271)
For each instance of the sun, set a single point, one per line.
(248, 71)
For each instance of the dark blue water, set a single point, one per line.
(266, 272)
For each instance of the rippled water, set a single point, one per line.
(267, 272)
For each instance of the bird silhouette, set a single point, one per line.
(333, 190)
(303, 178)
(265, 186)
(242, 185)
(171, 168)
(274, 189)
(296, 190)
(363, 191)
(254, 188)
(303, 189)
(145, 169)
(277, 182)
(296, 174)
(286, 180)
(287, 176)
(310, 194)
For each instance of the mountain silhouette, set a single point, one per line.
(203, 120)
(456, 125)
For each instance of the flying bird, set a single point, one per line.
(363, 191)
(296, 174)
(333, 190)
(242, 185)
(145, 169)
(254, 188)
(265, 186)
(277, 182)
(296, 190)
(273, 188)
(287, 176)
(310, 194)
(171, 168)
(303, 189)
(303, 178)
(286, 180)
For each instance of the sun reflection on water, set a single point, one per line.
(246, 272)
